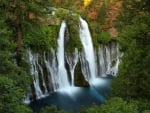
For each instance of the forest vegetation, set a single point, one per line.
(29, 24)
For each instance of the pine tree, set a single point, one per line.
(14, 71)
(20, 13)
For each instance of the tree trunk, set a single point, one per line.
(19, 42)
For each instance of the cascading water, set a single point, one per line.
(115, 59)
(49, 72)
(35, 66)
(35, 77)
(84, 66)
(62, 73)
(51, 66)
(101, 61)
(42, 75)
(109, 59)
(72, 61)
(88, 53)
(55, 68)
(108, 56)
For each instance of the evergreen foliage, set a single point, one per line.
(102, 14)
(104, 37)
(133, 77)
(14, 69)
(52, 109)
(113, 105)
(11, 97)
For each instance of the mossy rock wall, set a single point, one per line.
(79, 77)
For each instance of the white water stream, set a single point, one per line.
(49, 71)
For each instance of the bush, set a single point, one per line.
(113, 105)
(52, 109)
(104, 37)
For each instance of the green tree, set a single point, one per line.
(104, 37)
(73, 5)
(14, 69)
(133, 77)
(20, 13)
(113, 105)
(146, 111)
(11, 97)
(8, 67)
(118, 105)
(131, 9)
(13, 79)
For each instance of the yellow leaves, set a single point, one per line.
(87, 2)
(111, 1)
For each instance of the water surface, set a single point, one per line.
(73, 98)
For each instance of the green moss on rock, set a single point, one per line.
(72, 20)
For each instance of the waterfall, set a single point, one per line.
(49, 69)
(115, 59)
(51, 66)
(72, 61)
(36, 71)
(84, 66)
(62, 73)
(101, 61)
(108, 59)
(88, 53)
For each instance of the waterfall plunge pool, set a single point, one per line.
(73, 98)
